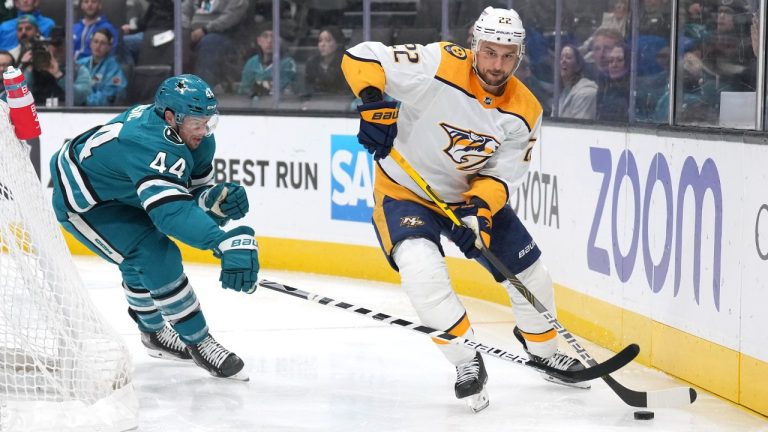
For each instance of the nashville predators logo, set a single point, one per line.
(467, 148)
(456, 51)
(411, 221)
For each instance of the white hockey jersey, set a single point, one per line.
(464, 141)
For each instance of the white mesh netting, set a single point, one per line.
(61, 366)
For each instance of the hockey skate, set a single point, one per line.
(557, 360)
(217, 360)
(470, 383)
(165, 344)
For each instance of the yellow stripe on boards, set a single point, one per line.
(752, 383)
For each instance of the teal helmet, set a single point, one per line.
(186, 95)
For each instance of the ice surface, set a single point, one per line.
(313, 368)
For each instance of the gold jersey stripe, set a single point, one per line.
(362, 73)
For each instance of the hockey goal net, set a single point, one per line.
(62, 367)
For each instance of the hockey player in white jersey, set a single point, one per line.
(468, 126)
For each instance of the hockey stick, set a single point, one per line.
(598, 370)
(654, 399)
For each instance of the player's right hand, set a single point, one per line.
(239, 254)
(475, 233)
(378, 127)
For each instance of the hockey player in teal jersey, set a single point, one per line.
(124, 187)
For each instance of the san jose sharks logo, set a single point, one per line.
(182, 86)
(467, 148)
(172, 136)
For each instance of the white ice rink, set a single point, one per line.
(315, 368)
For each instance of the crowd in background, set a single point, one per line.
(122, 49)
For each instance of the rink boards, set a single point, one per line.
(653, 239)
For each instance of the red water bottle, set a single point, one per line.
(22, 105)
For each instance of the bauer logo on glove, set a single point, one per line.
(378, 127)
(385, 116)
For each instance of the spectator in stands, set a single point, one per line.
(27, 30)
(700, 104)
(323, 71)
(43, 68)
(85, 28)
(655, 19)
(613, 88)
(540, 89)
(578, 96)
(24, 7)
(694, 25)
(294, 15)
(107, 79)
(651, 88)
(256, 80)
(728, 52)
(158, 16)
(596, 61)
(208, 25)
(6, 61)
(617, 19)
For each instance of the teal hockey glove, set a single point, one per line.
(239, 254)
(225, 201)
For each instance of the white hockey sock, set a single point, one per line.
(424, 278)
(541, 339)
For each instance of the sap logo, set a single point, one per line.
(351, 180)
(704, 184)
(411, 221)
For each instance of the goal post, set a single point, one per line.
(62, 367)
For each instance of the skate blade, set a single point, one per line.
(478, 402)
(584, 385)
(240, 376)
(165, 356)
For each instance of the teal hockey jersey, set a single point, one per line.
(138, 160)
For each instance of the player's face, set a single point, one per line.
(192, 130)
(495, 62)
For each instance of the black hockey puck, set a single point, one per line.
(643, 415)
